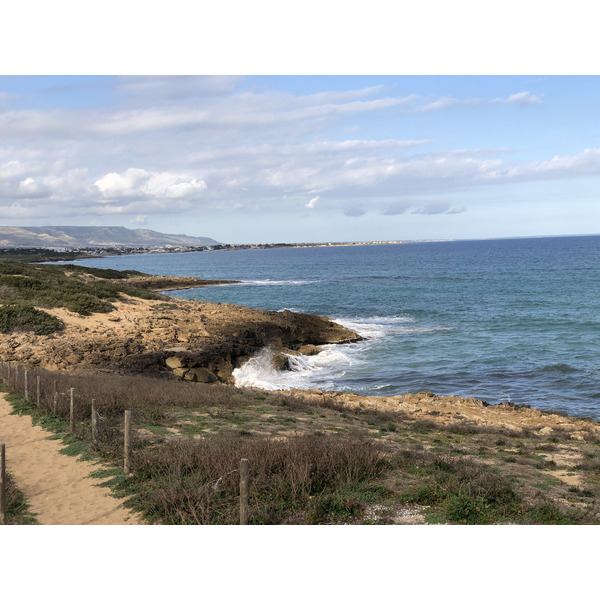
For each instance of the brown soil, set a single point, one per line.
(57, 486)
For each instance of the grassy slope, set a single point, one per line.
(346, 467)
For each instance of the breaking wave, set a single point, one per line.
(320, 370)
(278, 282)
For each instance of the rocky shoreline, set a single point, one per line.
(196, 341)
(204, 342)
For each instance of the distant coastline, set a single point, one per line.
(52, 253)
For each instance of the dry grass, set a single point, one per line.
(191, 437)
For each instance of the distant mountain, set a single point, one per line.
(93, 237)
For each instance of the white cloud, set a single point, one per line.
(203, 142)
(586, 163)
(438, 104)
(28, 186)
(520, 98)
(154, 88)
(115, 185)
(139, 182)
(12, 168)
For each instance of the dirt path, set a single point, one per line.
(57, 486)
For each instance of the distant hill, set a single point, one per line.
(93, 237)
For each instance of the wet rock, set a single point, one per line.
(309, 350)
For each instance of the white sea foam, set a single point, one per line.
(374, 328)
(305, 371)
(278, 282)
(329, 368)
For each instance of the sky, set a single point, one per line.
(309, 122)
(294, 158)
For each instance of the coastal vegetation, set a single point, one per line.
(311, 462)
(82, 290)
(18, 511)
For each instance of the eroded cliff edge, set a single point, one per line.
(198, 341)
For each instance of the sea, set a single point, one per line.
(504, 320)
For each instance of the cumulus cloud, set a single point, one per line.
(28, 186)
(139, 182)
(312, 202)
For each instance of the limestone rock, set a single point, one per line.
(544, 431)
(174, 362)
(201, 375)
(309, 350)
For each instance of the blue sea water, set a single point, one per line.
(500, 320)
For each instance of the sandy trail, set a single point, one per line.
(57, 486)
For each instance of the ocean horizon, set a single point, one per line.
(502, 320)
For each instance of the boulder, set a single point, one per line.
(200, 375)
(174, 362)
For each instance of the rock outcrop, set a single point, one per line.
(197, 341)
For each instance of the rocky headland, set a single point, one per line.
(196, 341)
(204, 342)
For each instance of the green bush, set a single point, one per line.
(20, 317)
(333, 508)
(549, 514)
(84, 304)
(466, 510)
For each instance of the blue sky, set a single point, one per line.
(303, 158)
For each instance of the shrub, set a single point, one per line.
(22, 317)
(466, 510)
(85, 304)
(548, 514)
(196, 482)
(17, 506)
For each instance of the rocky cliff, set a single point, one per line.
(198, 341)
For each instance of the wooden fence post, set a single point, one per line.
(244, 491)
(26, 391)
(55, 398)
(94, 424)
(127, 446)
(72, 410)
(2, 484)
(37, 391)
